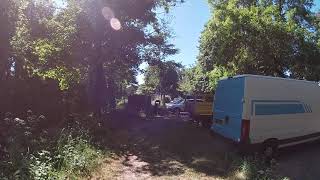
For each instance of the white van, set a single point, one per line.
(268, 111)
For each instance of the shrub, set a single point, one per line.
(41, 165)
(19, 138)
(28, 152)
(73, 157)
(255, 168)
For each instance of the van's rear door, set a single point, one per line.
(228, 108)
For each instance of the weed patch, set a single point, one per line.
(28, 152)
(254, 168)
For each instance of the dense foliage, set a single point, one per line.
(162, 79)
(276, 38)
(64, 59)
(196, 79)
(33, 148)
(86, 46)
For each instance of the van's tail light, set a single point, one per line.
(245, 131)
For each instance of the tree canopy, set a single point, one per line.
(162, 78)
(197, 80)
(99, 44)
(276, 38)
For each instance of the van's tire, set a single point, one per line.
(270, 148)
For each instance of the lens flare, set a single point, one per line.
(115, 24)
(107, 13)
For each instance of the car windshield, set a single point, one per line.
(178, 101)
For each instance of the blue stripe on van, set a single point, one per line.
(253, 102)
(278, 107)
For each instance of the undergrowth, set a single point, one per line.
(73, 157)
(29, 152)
(254, 168)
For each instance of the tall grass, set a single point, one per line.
(27, 151)
(254, 168)
(73, 157)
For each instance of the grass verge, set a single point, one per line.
(28, 151)
(73, 157)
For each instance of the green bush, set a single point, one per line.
(19, 138)
(255, 168)
(73, 157)
(41, 165)
(28, 152)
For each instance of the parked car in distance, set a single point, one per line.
(267, 112)
(176, 106)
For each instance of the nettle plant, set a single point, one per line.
(19, 138)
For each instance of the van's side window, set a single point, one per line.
(278, 109)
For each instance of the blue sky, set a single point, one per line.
(317, 5)
(187, 22)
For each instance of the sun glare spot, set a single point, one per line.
(107, 13)
(115, 24)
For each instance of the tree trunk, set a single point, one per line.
(97, 89)
(111, 94)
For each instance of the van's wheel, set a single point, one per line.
(270, 149)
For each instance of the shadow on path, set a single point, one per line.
(170, 146)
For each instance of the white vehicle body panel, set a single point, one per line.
(274, 108)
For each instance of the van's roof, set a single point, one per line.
(269, 77)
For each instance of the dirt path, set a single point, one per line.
(174, 148)
(167, 148)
